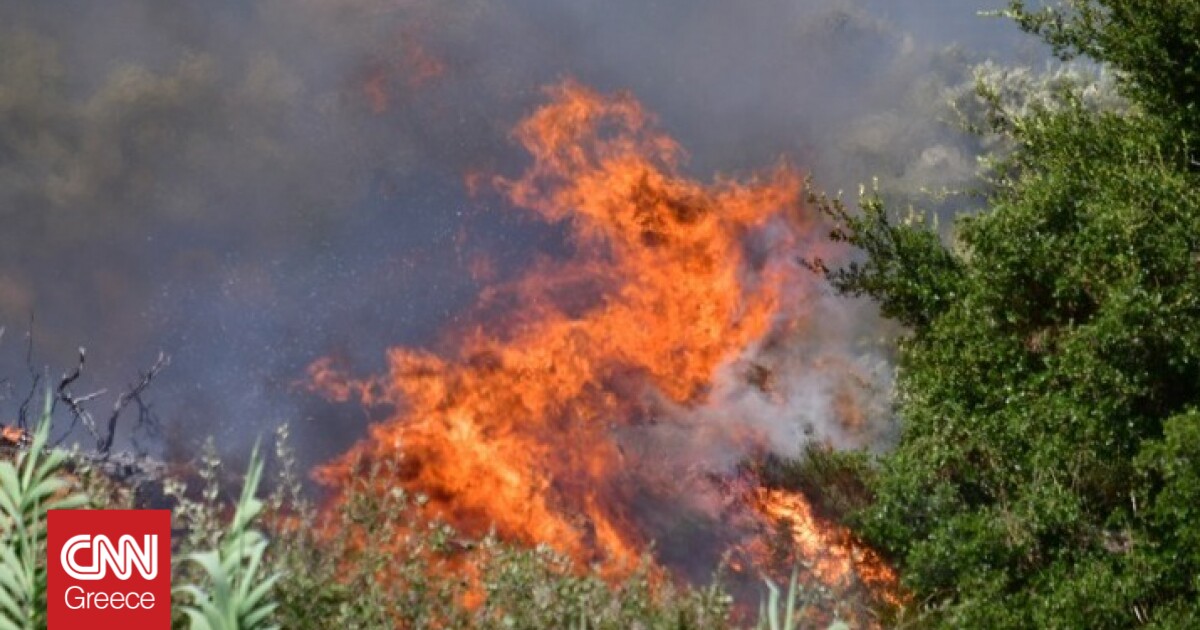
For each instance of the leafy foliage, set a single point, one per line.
(237, 594)
(908, 270)
(1152, 42)
(1049, 385)
(29, 489)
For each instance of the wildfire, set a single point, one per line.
(518, 428)
(832, 552)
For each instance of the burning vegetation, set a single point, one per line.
(536, 425)
(667, 394)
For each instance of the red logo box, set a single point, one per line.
(108, 569)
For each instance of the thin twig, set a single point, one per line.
(35, 377)
(130, 395)
(147, 424)
(78, 411)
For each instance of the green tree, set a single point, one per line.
(1048, 474)
(1153, 43)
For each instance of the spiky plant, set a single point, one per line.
(792, 608)
(29, 488)
(235, 596)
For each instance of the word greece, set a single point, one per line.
(80, 599)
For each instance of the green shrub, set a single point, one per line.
(235, 594)
(1050, 376)
(29, 489)
(43, 479)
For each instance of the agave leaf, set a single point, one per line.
(10, 491)
(50, 463)
(789, 621)
(254, 559)
(210, 561)
(191, 590)
(70, 502)
(773, 605)
(8, 598)
(264, 587)
(45, 488)
(203, 607)
(258, 615)
(197, 621)
(237, 596)
(29, 458)
(27, 491)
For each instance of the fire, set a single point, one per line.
(410, 66)
(670, 278)
(832, 552)
(13, 435)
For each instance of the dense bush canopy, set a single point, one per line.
(1048, 473)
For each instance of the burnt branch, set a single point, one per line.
(76, 404)
(35, 378)
(132, 395)
(147, 426)
(64, 395)
(23, 412)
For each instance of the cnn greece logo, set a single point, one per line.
(109, 569)
(123, 557)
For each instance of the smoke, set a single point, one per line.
(251, 185)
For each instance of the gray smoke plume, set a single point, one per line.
(250, 185)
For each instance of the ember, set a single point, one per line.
(13, 436)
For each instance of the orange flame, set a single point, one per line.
(410, 66)
(13, 435)
(515, 430)
(832, 552)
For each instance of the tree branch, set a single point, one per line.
(133, 394)
(76, 405)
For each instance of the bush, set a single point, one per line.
(1050, 377)
(29, 489)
